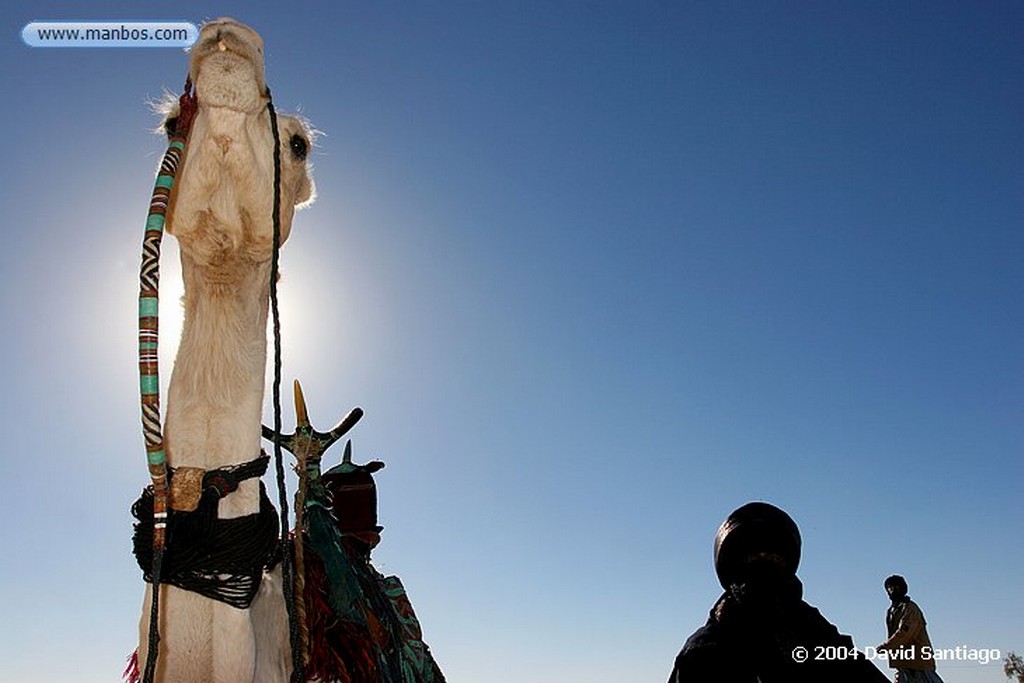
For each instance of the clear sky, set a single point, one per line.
(599, 273)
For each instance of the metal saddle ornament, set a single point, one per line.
(357, 624)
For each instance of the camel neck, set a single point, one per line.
(215, 398)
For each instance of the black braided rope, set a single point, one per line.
(288, 558)
(221, 559)
(153, 645)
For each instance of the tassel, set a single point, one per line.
(131, 672)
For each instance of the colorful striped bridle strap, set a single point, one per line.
(149, 304)
(149, 372)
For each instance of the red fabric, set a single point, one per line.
(186, 111)
(339, 651)
(131, 672)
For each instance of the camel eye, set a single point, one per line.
(300, 148)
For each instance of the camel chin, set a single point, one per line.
(227, 66)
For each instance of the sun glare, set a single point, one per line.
(172, 313)
(306, 312)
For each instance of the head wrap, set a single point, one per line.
(756, 532)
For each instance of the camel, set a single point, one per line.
(221, 214)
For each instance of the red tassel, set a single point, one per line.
(131, 672)
(186, 110)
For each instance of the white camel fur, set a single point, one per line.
(222, 217)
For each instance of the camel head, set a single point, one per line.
(222, 205)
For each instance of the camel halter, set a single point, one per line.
(149, 376)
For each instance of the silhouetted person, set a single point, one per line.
(908, 643)
(761, 630)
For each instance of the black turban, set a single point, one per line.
(756, 530)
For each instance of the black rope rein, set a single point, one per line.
(287, 549)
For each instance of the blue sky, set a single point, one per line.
(598, 273)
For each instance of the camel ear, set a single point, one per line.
(170, 126)
(168, 108)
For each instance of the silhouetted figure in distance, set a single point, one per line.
(908, 640)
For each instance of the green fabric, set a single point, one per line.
(155, 222)
(149, 307)
(358, 589)
(149, 384)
